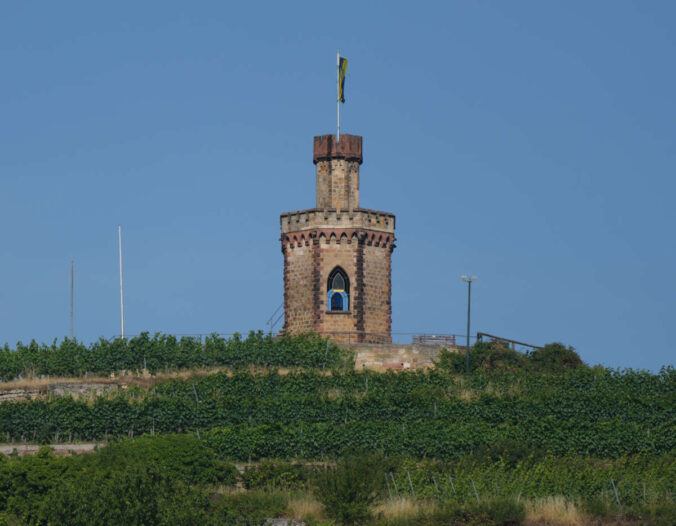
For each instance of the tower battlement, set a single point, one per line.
(349, 148)
(327, 218)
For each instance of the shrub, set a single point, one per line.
(279, 475)
(484, 356)
(184, 457)
(554, 358)
(496, 357)
(252, 507)
(348, 489)
(495, 512)
(510, 451)
(130, 494)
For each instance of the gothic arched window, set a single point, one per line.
(338, 291)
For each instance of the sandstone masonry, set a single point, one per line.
(338, 237)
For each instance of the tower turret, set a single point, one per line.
(337, 165)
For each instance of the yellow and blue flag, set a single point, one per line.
(342, 71)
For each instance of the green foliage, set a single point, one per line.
(497, 358)
(132, 493)
(275, 475)
(596, 507)
(494, 511)
(249, 508)
(182, 457)
(553, 358)
(510, 451)
(312, 415)
(128, 483)
(574, 476)
(350, 488)
(165, 352)
(113, 487)
(152, 480)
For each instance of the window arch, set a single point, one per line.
(338, 291)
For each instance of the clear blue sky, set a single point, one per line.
(529, 143)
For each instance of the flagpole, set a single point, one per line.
(72, 302)
(338, 95)
(119, 238)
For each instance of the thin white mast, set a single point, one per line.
(72, 264)
(338, 95)
(119, 238)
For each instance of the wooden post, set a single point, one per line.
(436, 488)
(476, 494)
(394, 482)
(450, 479)
(410, 483)
(617, 497)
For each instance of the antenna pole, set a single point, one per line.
(338, 95)
(119, 238)
(72, 299)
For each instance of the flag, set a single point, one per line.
(342, 70)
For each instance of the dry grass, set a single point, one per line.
(515, 389)
(142, 379)
(304, 507)
(467, 395)
(555, 510)
(462, 390)
(494, 390)
(228, 490)
(38, 383)
(333, 394)
(402, 509)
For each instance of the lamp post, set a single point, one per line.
(469, 299)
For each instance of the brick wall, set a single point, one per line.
(337, 250)
(299, 312)
(378, 288)
(365, 258)
(338, 184)
(338, 233)
(337, 171)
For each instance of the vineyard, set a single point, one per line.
(471, 446)
(314, 415)
(166, 352)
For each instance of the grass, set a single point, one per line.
(555, 510)
(306, 507)
(402, 509)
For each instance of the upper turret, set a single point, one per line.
(338, 171)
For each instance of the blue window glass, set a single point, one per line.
(338, 291)
(336, 301)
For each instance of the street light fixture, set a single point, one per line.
(469, 298)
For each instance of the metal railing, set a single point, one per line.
(481, 335)
(275, 318)
(350, 337)
(428, 338)
(434, 339)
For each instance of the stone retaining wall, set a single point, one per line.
(381, 357)
(74, 389)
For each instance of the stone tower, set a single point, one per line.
(337, 256)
